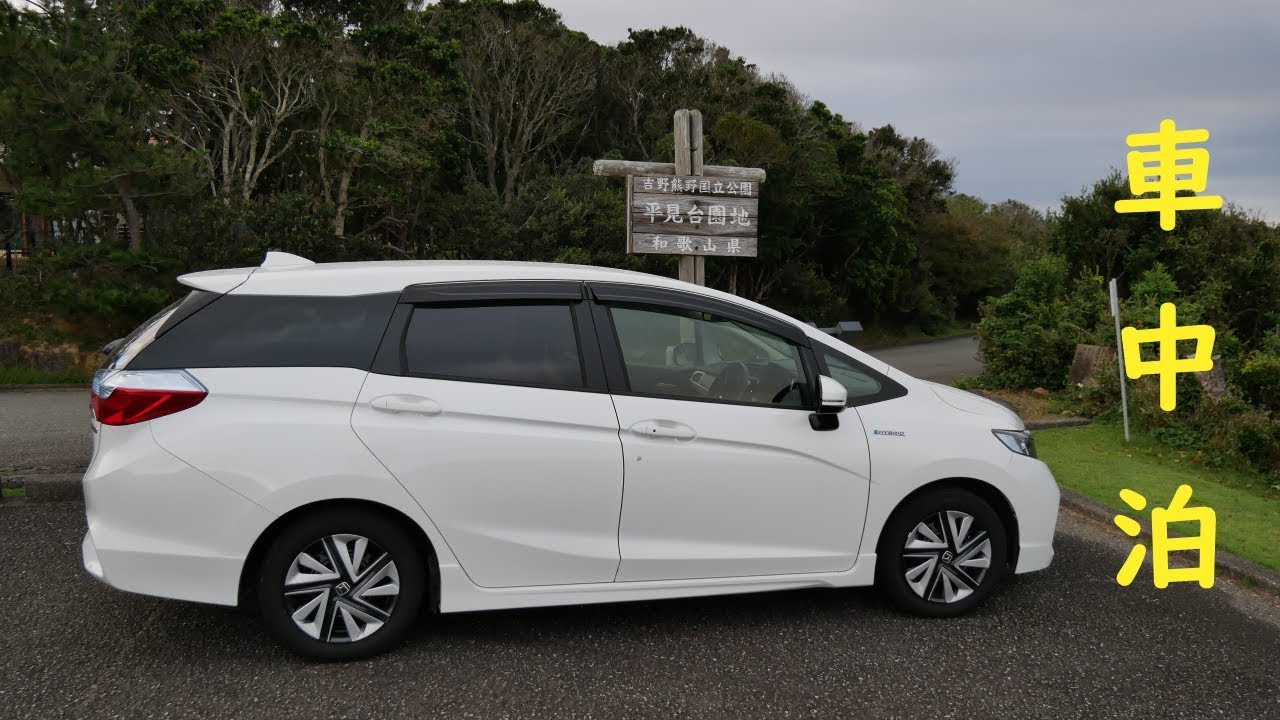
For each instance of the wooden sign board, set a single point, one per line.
(692, 215)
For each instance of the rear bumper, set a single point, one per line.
(158, 526)
(89, 556)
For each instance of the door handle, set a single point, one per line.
(664, 428)
(405, 404)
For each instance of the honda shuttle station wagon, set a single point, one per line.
(341, 446)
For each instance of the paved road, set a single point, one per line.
(48, 430)
(44, 430)
(941, 361)
(1067, 642)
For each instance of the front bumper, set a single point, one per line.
(1035, 502)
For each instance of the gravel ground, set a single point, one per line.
(1066, 642)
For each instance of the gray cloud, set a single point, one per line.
(1033, 99)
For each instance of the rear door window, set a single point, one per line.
(523, 344)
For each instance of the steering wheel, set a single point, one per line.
(732, 382)
(797, 385)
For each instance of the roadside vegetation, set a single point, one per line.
(31, 376)
(1218, 268)
(1096, 461)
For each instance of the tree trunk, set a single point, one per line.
(132, 220)
(344, 183)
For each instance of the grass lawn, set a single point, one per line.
(1095, 461)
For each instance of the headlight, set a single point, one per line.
(1018, 441)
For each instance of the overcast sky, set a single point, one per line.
(1033, 99)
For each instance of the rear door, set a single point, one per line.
(488, 402)
(725, 476)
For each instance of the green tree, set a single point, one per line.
(74, 122)
(238, 80)
(529, 81)
(381, 117)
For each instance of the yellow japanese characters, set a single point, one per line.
(1168, 175)
(1167, 363)
(1162, 544)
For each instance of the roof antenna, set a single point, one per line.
(277, 259)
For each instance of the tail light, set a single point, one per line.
(125, 397)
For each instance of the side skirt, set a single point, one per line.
(459, 594)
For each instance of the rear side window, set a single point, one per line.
(273, 331)
(133, 343)
(524, 344)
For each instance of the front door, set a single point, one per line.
(724, 475)
(488, 419)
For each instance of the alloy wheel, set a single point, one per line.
(946, 556)
(341, 588)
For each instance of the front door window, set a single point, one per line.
(699, 356)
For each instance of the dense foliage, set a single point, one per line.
(373, 129)
(1218, 268)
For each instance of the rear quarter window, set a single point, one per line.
(274, 331)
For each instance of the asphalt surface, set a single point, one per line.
(44, 431)
(47, 431)
(943, 361)
(1066, 642)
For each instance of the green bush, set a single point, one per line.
(18, 292)
(1027, 337)
(103, 291)
(1259, 382)
(1100, 397)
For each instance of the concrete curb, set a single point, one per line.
(52, 487)
(62, 487)
(1051, 423)
(1236, 568)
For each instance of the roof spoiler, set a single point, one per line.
(224, 281)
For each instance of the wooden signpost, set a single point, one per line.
(687, 209)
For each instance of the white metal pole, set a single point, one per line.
(1124, 392)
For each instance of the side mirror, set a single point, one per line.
(832, 396)
(831, 400)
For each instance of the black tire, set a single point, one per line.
(314, 534)
(943, 575)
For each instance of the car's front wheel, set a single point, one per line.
(942, 553)
(342, 584)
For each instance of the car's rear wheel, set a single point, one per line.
(342, 584)
(942, 553)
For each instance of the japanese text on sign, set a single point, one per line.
(692, 215)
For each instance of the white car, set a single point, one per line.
(343, 445)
